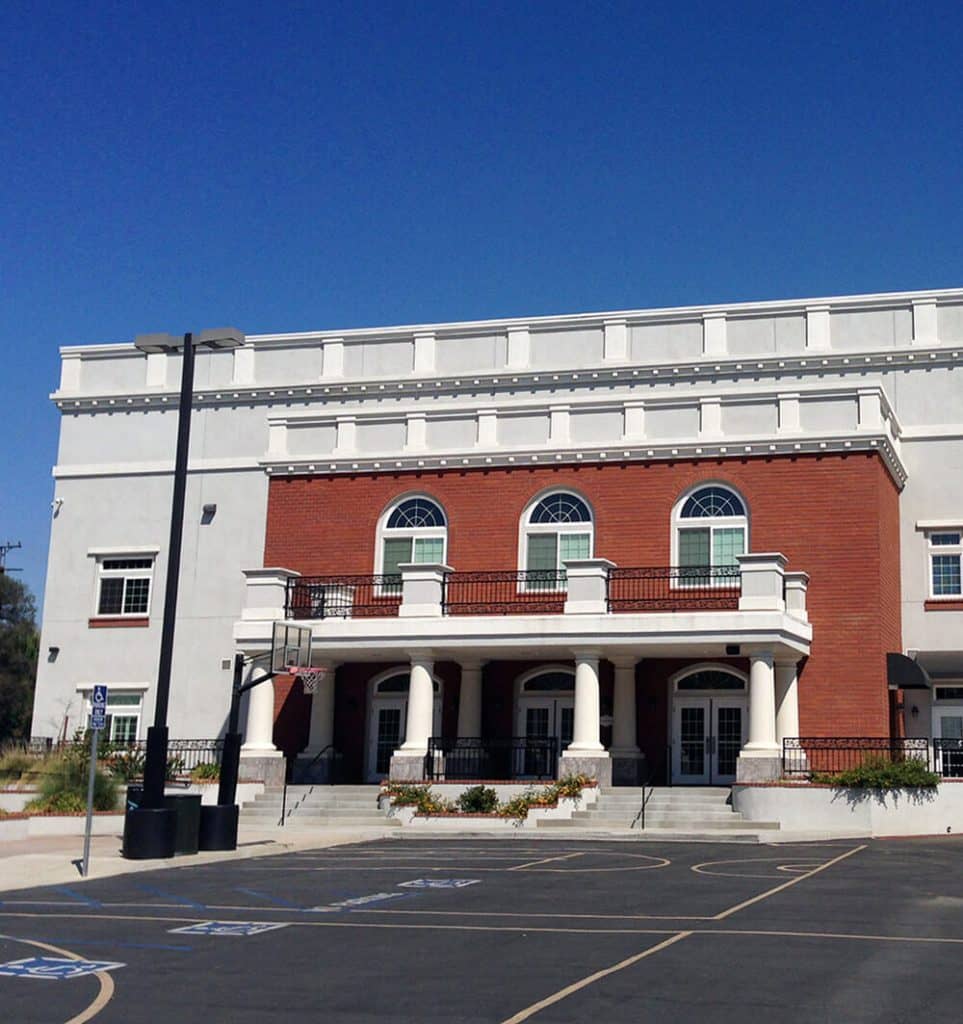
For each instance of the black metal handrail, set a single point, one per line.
(646, 779)
(507, 757)
(674, 588)
(511, 592)
(948, 758)
(346, 597)
(832, 754)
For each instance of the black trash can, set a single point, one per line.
(188, 809)
(135, 796)
(219, 827)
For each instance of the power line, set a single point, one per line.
(4, 548)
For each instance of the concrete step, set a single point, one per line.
(674, 825)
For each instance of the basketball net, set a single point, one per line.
(310, 677)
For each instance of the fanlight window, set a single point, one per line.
(711, 679)
(415, 531)
(399, 684)
(558, 530)
(712, 528)
(550, 682)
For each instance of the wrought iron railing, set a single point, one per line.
(831, 754)
(525, 592)
(344, 597)
(510, 757)
(674, 588)
(948, 758)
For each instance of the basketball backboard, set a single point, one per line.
(290, 645)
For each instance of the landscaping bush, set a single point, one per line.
(879, 772)
(63, 786)
(421, 797)
(206, 773)
(478, 800)
(14, 762)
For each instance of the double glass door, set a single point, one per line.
(708, 733)
(386, 732)
(544, 718)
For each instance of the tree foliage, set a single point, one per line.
(19, 644)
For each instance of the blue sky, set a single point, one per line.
(294, 166)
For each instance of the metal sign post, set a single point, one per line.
(98, 719)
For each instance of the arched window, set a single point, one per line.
(710, 679)
(711, 528)
(412, 530)
(557, 528)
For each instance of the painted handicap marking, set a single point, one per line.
(358, 901)
(438, 883)
(228, 928)
(55, 968)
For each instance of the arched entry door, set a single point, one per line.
(387, 716)
(710, 723)
(546, 710)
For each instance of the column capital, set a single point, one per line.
(624, 661)
(587, 654)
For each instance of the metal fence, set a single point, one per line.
(515, 757)
(530, 591)
(343, 597)
(948, 758)
(674, 588)
(832, 754)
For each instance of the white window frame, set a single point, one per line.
(710, 523)
(104, 557)
(527, 529)
(115, 710)
(383, 533)
(951, 550)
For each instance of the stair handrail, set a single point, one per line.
(289, 769)
(646, 797)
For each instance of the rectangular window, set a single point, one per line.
(123, 716)
(727, 542)
(542, 552)
(949, 692)
(429, 549)
(693, 548)
(945, 555)
(125, 586)
(573, 546)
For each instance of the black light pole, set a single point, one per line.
(149, 830)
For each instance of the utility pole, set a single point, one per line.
(4, 548)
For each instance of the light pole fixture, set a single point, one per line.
(149, 829)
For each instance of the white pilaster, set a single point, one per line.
(714, 342)
(924, 322)
(710, 417)
(487, 428)
(157, 369)
(347, 435)
(787, 701)
(470, 701)
(416, 432)
(762, 707)
(870, 409)
(634, 423)
(519, 348)
(817, 329)
(559, 424)
(615, 342)
(789, 413)
(243, 369)
(586, 737)
(623, 711)
(321, 731)
(420, 704)
(70, 371)
(424, 353)
(277, 439)
(332, 358)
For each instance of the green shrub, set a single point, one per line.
(571, 785)
(877, 772)
(478, 800)
(63, 787)
(421, 797)
(206, 772)
(125, 763)
(15, 761)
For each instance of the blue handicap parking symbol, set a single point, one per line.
(55, 968)
(438, 883)
(228, 928)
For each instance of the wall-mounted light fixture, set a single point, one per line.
(207, 513)
(915, 711)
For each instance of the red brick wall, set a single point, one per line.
(834, 516)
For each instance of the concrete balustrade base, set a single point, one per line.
(765, 768)
(267, 768)
(599, 768)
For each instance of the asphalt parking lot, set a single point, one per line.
(501, 931)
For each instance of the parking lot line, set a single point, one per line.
(557, 997)
(544, 860)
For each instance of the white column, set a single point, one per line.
(421, 698)
(623, 711)
(585, 733)
(321, 732)
(258, 734)
(762, 707)
(787, 701)
(470, 700)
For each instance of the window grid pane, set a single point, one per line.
(573, 545)
(429, 549)
(693, 548)
(542, 552)
(135, 596)
(944, 539)
(946, 574)
(111, 596)
(397, 550)
(726, 544)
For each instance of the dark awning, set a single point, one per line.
(904, 674)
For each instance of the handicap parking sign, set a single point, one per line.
(228, 928)
(55, 968)
(438, 883)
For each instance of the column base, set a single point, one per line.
(406, 767)
(264, 765)
(595, 766)
(628, 766)
(758, 767)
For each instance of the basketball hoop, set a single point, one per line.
(310, 678)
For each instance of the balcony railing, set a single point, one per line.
(507, 757)
(343, 597)
(674, 588)
(832, 754)
(529, 592)
(948, 758)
